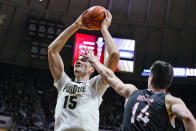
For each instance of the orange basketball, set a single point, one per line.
(93, 17)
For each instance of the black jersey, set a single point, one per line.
(146, 111)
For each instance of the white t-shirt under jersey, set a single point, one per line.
(77, 107)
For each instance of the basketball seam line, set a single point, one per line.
(94, 11)
(93, 20)
(97, 15)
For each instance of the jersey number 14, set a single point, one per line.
(143, 115)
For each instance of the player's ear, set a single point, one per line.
(92, 70)
(151, 80)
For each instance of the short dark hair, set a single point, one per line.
(162, 73)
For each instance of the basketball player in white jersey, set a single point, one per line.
(78, 101)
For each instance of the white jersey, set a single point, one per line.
(77, 107)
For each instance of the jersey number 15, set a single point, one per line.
(70, 101)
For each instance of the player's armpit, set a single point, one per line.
(176, 106)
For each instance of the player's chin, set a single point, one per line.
(76, 69)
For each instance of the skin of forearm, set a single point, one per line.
(114, 55)
(102, 70)
(186, 116)
(110, 45)
(189, 124)
(189, 121)
(110, 78)
(61, 40)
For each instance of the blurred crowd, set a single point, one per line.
(18, 100)
(15, 99)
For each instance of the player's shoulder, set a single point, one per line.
(130, 89)
(94, 78)
(131, 85)
(170, 99)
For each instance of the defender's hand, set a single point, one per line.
(90, 55)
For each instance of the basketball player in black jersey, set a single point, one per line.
(151, 109)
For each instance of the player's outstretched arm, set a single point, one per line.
(113, 58)
(176, 107)
(122, 89)
(55, 62)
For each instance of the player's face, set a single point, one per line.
(82, 65)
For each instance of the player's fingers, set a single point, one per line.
(91, 51)
(88, 50)
(84, 50)
(109, 14)
(84, 12)
(82, 55)
(105, 12)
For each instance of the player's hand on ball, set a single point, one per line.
(80, 24)
(107, 21)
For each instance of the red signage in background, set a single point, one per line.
(91, 42)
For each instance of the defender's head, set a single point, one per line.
(161, 75)
(83, 67)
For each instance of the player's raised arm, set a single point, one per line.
(108, 75)
(113, 58)
(176, 107)
(55, 62)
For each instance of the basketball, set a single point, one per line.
(93, 17)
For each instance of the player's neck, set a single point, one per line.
(156, 89)
(81, 78)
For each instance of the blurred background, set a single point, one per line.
(152, 29)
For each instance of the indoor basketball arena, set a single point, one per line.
(45, 84)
